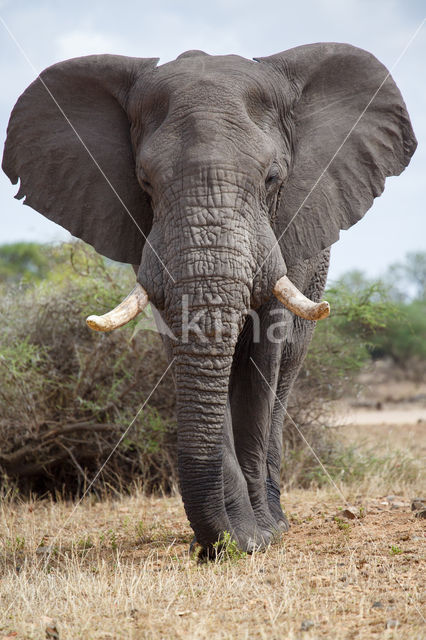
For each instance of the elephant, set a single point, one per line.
(224, 181)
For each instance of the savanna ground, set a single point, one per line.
(121, 568)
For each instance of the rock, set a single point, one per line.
(377, 605)
(51, 630)
(418, 503)
(397, 504)
(421, 514)
(52, 633)
(350, 513)
(306, 625)
(392, 623)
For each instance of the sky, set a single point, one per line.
(35, 34)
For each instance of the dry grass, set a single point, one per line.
(121, 569)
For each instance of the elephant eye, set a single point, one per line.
(146, 185)
(274, 175)
(144, 182)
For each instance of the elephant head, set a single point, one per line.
(213, 175)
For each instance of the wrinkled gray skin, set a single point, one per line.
(229, 167)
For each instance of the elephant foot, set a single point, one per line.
(281, 521)
(283, 524)
(253, 539)
(274, 503)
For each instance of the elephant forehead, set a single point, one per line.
(206, 67)
(204, 109)
(204, 81)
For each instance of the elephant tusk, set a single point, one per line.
(294, 300)
(135, 302)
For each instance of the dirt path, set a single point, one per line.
(389, 429)
(386, 416)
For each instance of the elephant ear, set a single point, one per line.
(68, 141)
(350, 131)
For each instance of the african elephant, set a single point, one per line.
(223, 181)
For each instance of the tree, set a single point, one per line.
(407, 280)
(27, 260)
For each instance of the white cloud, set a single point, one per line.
(82, 42)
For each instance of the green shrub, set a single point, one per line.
(404, 339)
(27, 261)
(68, 393)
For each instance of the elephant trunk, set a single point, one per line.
(202, 387)
(206, 319)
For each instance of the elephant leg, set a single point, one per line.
(291, 362)
(310, 276)
(252, 385)
(237, 499)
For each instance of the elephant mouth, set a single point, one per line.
(284, 290)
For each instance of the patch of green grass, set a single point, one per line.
(84, 544)
(16, 544)
(227, 550)
(141, 531)
(342, 525)
(113, 539)
(395, 550)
